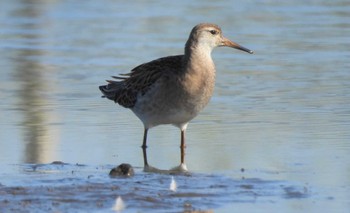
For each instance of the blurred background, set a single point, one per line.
(284, 110)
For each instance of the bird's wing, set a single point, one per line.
(125, 89)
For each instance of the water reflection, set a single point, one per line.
(40, 138)
(281, 115)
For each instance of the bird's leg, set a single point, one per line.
(183, 146)
(182, 167)
(144, 147)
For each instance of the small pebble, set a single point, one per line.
(123, 170)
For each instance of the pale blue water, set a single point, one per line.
(282, 114)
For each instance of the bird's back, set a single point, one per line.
(125, 89)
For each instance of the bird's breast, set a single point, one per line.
(199, 87)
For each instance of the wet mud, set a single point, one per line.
(62, 187)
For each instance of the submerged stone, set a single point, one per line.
(123, 170)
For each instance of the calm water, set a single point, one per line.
(282, 114)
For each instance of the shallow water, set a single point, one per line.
(63, 187)
(282, 114)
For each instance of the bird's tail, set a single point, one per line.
(111, 90)
(106, 92)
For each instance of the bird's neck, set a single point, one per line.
(199, 73)
(198, 58)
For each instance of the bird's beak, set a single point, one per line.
(228, 43)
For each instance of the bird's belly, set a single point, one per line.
(176, 106)
(152, 114)
(178, 112)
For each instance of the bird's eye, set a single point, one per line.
(213, 32)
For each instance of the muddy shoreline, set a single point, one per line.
(74, 187)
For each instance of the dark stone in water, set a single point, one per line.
(123, 170)
(57, 163)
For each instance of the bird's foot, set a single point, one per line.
(151, 169)
(182, 168)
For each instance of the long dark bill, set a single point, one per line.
(228, 43)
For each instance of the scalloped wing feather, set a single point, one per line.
(125, 89)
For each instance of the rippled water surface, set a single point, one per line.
(276, 134)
